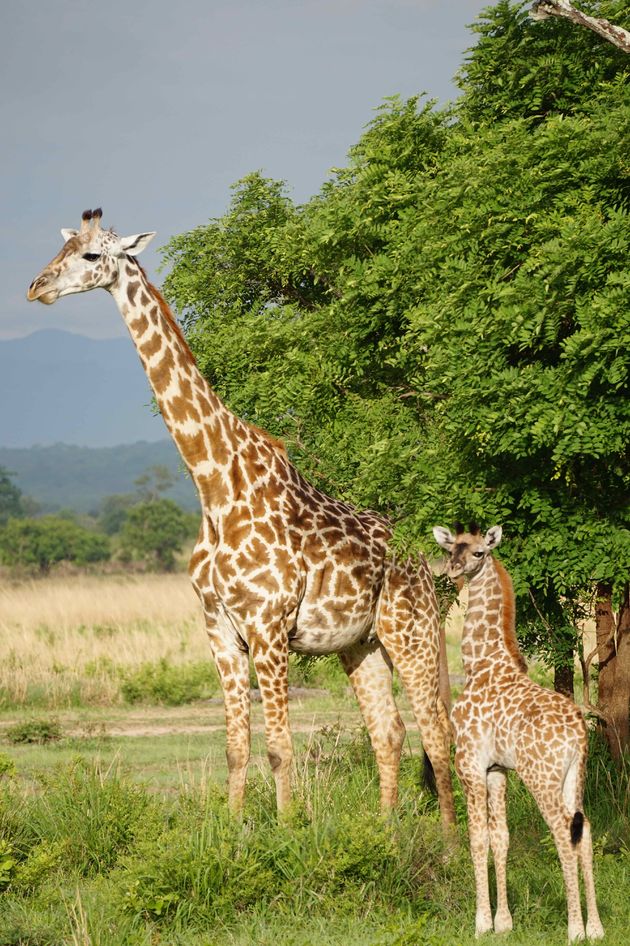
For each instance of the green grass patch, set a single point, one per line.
(89, 854)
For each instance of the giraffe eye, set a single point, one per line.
(91, 257)
(478, 554)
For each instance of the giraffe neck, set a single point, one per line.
(205, 432)
(489, 639)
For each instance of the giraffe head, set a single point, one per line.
(467, 550)
(89, 259)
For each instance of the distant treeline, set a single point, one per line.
(79, 478)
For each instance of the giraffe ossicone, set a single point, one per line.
(502, 721)
(278, 565)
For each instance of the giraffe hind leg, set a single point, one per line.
(594, 928)
(580, 833)
(370, 673)
(553, 807)
(408, 628)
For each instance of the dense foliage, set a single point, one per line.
(442, 332)
(44, 542)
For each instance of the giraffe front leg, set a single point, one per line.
(233, 668)
(370, 673)
(499, 842)
(271, 662)
(475, 787)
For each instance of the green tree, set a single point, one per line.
(460, 345)
(45, 542)
(10, 497)
(114, 510)
(520, 68)
(154, 531)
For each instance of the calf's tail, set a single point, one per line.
(577, 826)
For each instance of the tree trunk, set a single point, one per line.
(605, 637)
(563, 678)
(613, 648)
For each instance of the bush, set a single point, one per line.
(7, 766)
(170, 684)
(45, 542)
(84, 820)
(155, 531)
(38, 731)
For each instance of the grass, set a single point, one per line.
(105, 641)
(74, 641)
(113, 822)
(92, 854)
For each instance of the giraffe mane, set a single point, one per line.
(167, 312)
(509, 616)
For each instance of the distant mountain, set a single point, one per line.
(78, 478)
(57, 387)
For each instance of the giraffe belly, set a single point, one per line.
(317, 633)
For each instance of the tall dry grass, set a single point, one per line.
(64, 640)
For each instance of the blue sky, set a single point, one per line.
(152, 109)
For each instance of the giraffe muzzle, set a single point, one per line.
(37, 291)
(454, 570)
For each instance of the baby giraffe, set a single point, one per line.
(503, 720)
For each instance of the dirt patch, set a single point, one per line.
(310, 710)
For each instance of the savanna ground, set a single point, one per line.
(113, 820)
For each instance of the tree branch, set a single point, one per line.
(544, 9)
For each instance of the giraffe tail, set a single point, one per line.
(428, 775)
(577, 826)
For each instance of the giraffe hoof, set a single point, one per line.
(594, 930)
(503, 923)
(483, 925)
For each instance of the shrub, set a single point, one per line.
(38, 731)
(155, 531)
(84, 820)
(7, 863)
(44, 542)
(7, 765)
(170, 684)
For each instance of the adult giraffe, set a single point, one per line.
(278, 565)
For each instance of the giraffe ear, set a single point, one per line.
(493, 537)
(66, 234)
(443, 537)
(137, 243)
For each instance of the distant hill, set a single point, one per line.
(57, 387)
(79, 478)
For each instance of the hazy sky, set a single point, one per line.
(152, 108)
